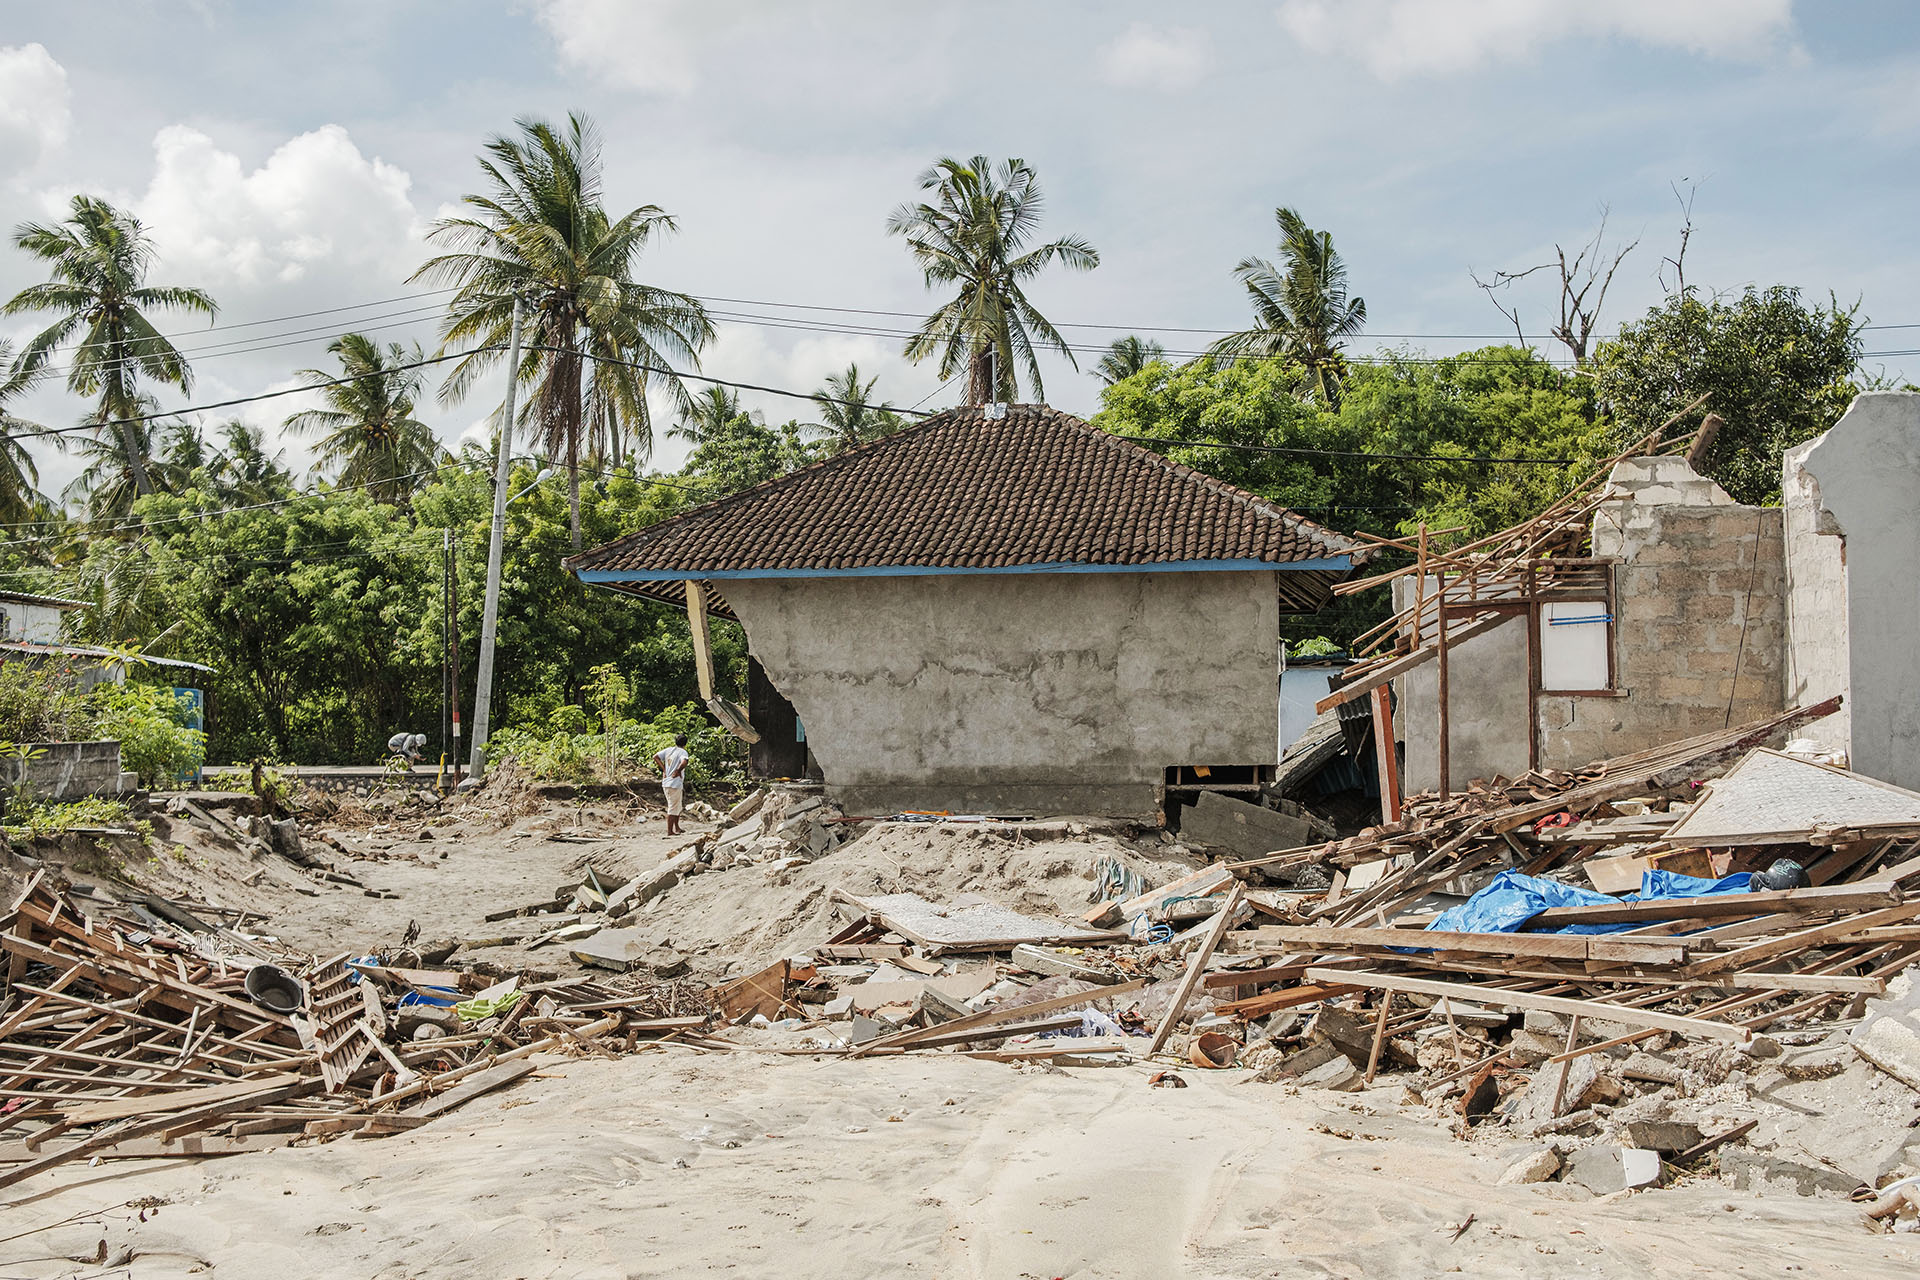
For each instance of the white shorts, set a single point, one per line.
(676, 799)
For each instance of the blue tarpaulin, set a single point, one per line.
(1512, 899)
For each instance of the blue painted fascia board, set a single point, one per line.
(1328, 563)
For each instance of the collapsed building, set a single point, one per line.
(1653, 607)
(996, 610)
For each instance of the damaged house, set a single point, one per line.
(1653, 608)
(1014, 614)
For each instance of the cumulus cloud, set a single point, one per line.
(1148, 57)
(317, 205)
(34, 111)
(1397, 38)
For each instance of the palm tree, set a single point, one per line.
(1301, 312)
(848, 416)
(20, 494)
(117, 463)
(99, 258)
(367, 429)
(595, 338)
(246, 472)
(707, 415)
(1126, 357)
(974, 235)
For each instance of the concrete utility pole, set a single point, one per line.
(490, 614)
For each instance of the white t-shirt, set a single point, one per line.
(673, 767)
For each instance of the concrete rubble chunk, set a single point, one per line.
(1665, 1136)
(1536, 1106)
(1605, 1170)
(1757, 1171)
(1889, 1035)
(1248, 829)
(1648, 1067)
(1533, 1049)
(1538, 1167)
(1337, 1074)
(1042, 960)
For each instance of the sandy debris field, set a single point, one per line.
(676, 1164)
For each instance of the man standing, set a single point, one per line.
(672, 764)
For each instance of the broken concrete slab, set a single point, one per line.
(1666, 1136)
(1536, 1106)
(1247, 829)
(616, 949)
(1605, 1170)
(1646, 1066)
(1756, 1171)
(1337, 1074)
(1538, 1167)
(1889, 1035)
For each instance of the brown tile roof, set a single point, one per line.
(961, 491)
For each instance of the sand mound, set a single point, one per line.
(748, 914)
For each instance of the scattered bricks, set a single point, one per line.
(1665, 1136)
(1538, 1167)
(1605, 1170)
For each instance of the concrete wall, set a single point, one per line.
(1486, 708)
(1817, 632)
(1022, 693)
(1868, 472)
(66, 770)
(35, 622)
(1700, 591)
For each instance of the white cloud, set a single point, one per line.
(1148, 57)
(1397, 38)
(647, 45)
(34, 111)
(317, 205)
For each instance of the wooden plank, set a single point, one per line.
(1273, 1001)
(113, 1135)
(1500, 997)
(1400, 666)
(150, 1104)
(485, 1082)
(1561, 946)
(1195, 966)
(1072, 1047)
(1719, 906)
(1386, 759)
(764, 992)
(1004, 1031)
(988, 1017)
(1199, 884)
(702, 637)
(863, 951)
(192, 1146)
(1819, 935)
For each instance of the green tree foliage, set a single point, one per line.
(1126, 357)
(742, 452)
(973, 234)
(1342, 472)
(20, 496)
(150, 724)
(1301, 309)
(1779, 372)
(848, 416)
(540, 233)
(368, 433)
(98, 258)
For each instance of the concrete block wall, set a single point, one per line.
(1699, 594)
(1020, 693)
(68, 770)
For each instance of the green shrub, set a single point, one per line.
(41, 702)
(715, 757)
(150, 724)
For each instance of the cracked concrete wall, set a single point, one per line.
(1041, 693)
(1817, 643)
(1868, 472)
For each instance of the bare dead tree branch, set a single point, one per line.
(1679, 260)
(1588, 275)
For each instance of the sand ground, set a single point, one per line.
(672, 1163)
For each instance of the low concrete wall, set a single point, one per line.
(1020, 693)
(1817, 630)
(67, 770)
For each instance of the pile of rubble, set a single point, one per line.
(130, 1027)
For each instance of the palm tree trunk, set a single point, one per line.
(573, 486)
(980, 376)
(118, 406)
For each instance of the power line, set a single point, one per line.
(1356, 453)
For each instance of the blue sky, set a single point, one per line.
(289, 158)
